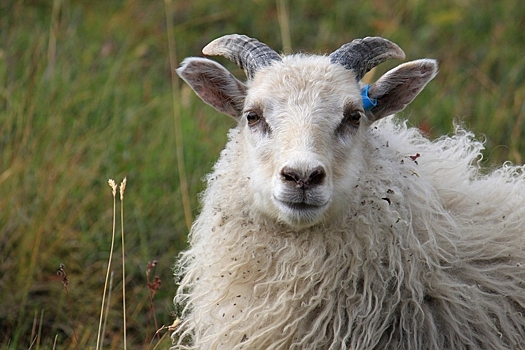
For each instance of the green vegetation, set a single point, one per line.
(86, 95)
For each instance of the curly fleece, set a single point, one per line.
(429, 255)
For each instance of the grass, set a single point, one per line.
(86, 94)
(101, 329)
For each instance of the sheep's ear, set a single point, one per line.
(214, 84)
(399, 86)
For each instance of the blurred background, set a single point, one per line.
(86, 94)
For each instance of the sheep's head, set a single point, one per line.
(304, 117)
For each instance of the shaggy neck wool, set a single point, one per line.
(428, 257)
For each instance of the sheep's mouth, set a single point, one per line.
(302, 207)
(300, 214)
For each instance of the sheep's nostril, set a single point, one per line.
(317, 176)
(293, 177)
(290, 175)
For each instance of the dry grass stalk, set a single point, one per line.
(122, 189)
(106, 313)
(113, 186)
(181, 166)
(284, 25)
(176, 323)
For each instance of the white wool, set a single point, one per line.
(429, 254)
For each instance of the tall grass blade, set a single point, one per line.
(122, 189)
(113, 186)
(107, 307)
(177, 115)
(284, 25)
(52, 43)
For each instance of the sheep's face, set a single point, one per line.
(302, 121)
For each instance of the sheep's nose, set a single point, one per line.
(298, 179)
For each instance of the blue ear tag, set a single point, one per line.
(367, 102)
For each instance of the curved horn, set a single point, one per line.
(248, 53)
(361, 55)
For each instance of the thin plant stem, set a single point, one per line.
(152, 310)
(284, 25)
(107, 307)
(33, 327)
(171, 328)
(160, 339)
(152, 287)
(63, 274)
(75, 337)
(52, 43)
(181, 166)
(122, 189)
(55, 342)
(32, 343)
(113, 186)
(39, 335)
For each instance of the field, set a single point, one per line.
(87, 93)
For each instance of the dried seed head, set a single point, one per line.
(122, 188)
(113, 186)
(61, 272)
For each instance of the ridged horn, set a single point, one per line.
(361, 55)
(248, 53)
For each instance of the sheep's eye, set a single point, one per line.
(350, 122)
(256, 121)
(253, 118)
(352, 118)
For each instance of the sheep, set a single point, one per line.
(328, 223)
